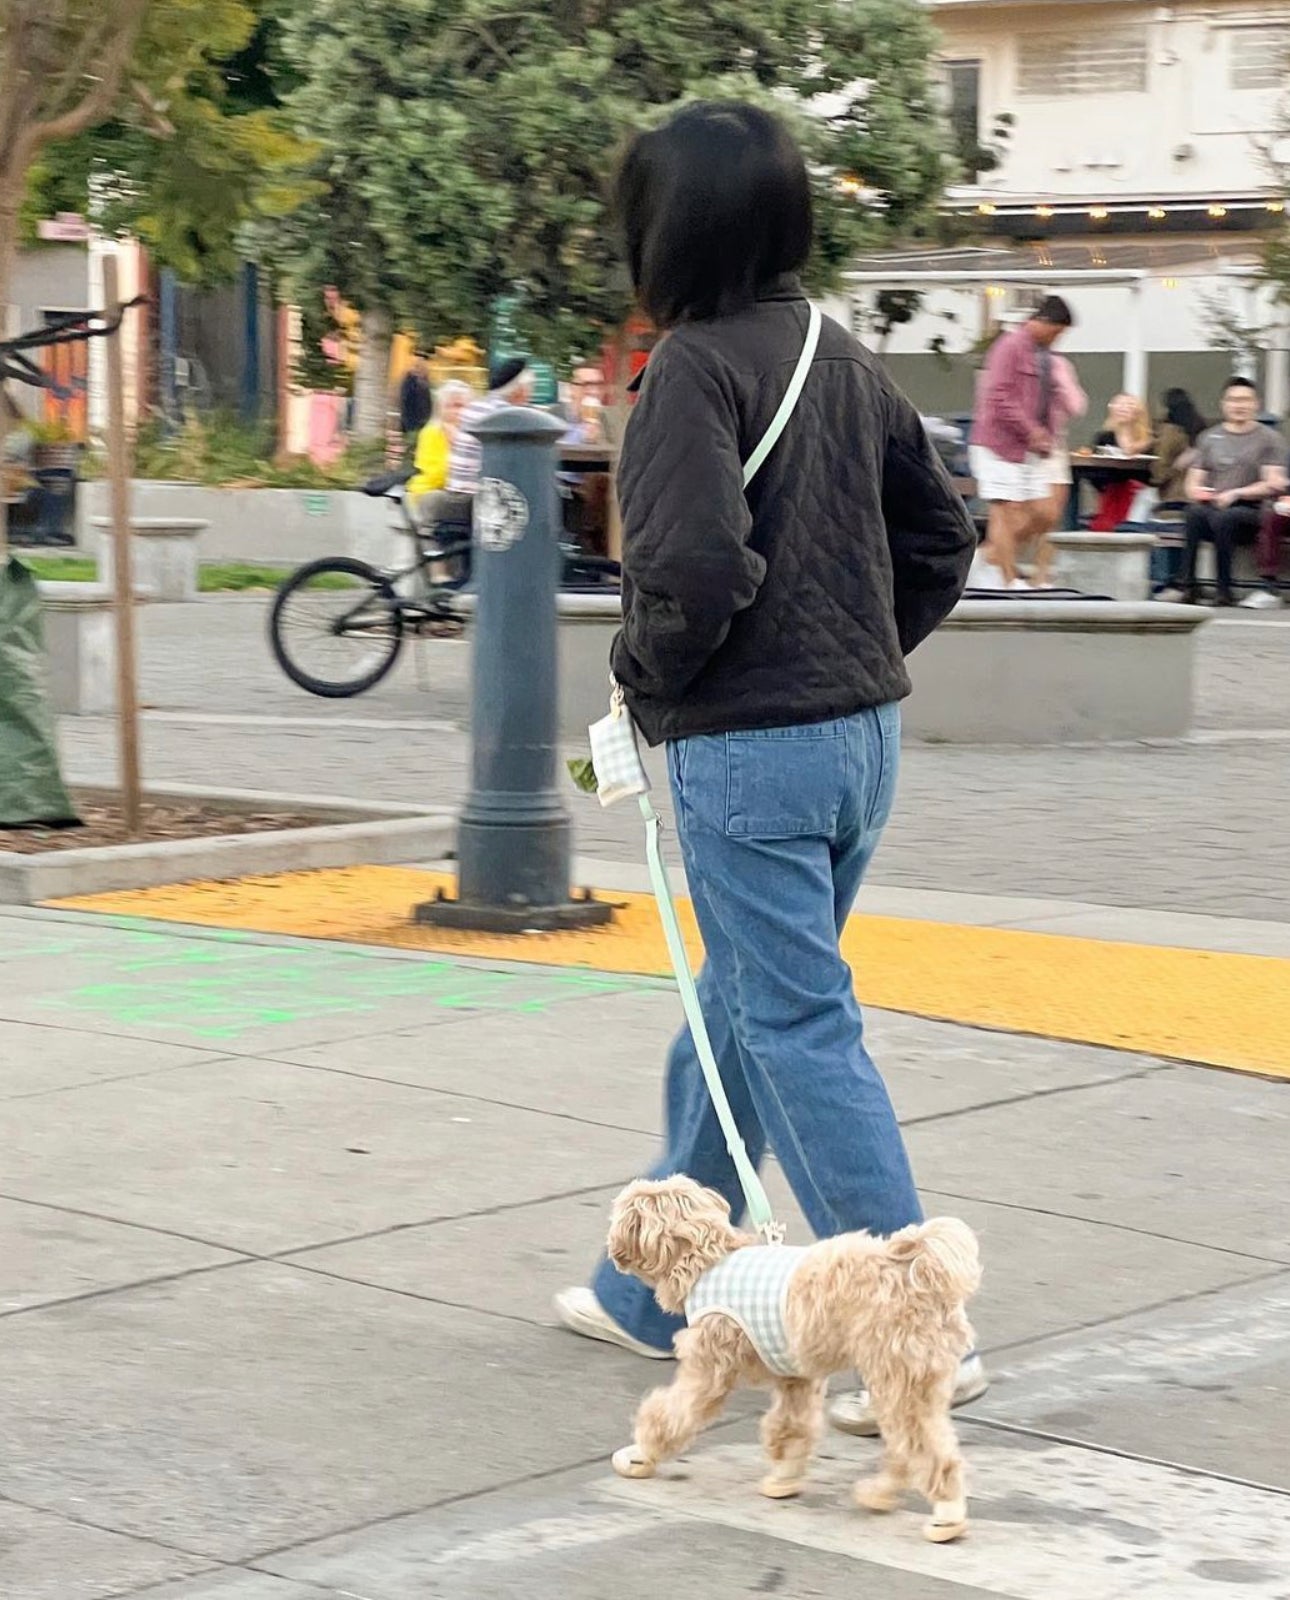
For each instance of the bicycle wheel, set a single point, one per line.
(336, 627)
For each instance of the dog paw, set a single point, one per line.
(876, 1494)
(777, 1488)
(630, 1463)
(949, 1521)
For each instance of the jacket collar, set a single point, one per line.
(788, 286)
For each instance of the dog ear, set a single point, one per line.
(638, 1234)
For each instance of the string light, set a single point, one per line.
(849, 185)
(1218, 212)
(1157, 213)
(1044, 211)
(1099, 213)
(993, 292)
(1276, 207)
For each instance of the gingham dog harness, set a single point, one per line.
(751, 1287)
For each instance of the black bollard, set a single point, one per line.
(513, 837)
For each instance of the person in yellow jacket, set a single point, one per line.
(434, 454)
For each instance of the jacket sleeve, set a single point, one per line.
(431, 459)
(930, 531)
(1003, 385)
(687, 565)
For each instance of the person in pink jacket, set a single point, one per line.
(1069, 402)
(1013, 434)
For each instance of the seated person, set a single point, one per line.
(1176, 438)
(1274, 535)
(427, 487)
(1127, 430)
(1239, 467)
(586, 510)
(510, 383)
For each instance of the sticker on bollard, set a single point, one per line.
(514, 845)
(501, 514)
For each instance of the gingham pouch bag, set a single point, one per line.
(620, 773)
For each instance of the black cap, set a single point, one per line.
(1054, 309)
(503, 372)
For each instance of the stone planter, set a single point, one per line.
(272, 527)
(1037, 671)
(1113, 566)
(1027, 671)
(165, 554)
(80, 648)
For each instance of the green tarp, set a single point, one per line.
(31, 787)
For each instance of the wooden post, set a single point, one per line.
(127, 700)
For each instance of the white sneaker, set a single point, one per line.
(853, 1413)
(1261, 600)
(580, 1312)
(1019, 586)
(984, 575)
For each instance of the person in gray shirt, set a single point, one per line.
(1239, 465)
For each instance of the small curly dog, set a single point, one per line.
(766, 1314)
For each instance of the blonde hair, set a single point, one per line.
(1139, 430)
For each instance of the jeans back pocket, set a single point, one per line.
(786, 783)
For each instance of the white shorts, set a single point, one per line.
(1059, 469)
(1018, 482)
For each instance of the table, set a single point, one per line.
(1085, 463)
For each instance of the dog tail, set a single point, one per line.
(947, 1263)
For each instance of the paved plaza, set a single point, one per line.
(282, 1218)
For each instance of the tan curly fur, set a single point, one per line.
(891, 1308)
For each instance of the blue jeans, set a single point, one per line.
(777, 828)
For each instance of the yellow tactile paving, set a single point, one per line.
(1218, 1009)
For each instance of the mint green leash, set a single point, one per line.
(759, 1210)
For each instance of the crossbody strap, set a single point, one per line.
(788, 404)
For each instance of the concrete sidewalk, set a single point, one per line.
(281, 1222)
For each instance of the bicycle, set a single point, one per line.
(337, 625)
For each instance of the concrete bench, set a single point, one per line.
(80, 646)
(1116, 565)
(1036, 671)
(1023, 671)
(164, 553)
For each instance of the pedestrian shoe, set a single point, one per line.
(580, 1312)
(1261, 600)
(1178, 597)
(853, 1413)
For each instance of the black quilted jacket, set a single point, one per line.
(799, 601)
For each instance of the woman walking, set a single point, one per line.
(764, 636)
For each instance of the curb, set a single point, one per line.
(349, 833)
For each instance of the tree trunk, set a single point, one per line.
(372, 380)
(9, 193)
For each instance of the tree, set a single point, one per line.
(465, 145)
(226, 155)
(62, 67)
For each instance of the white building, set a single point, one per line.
(1112, 137)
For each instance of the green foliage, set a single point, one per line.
(216, 577)
(464, 146)
(187, 167)
(222, 452)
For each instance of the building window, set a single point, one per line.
(1259, 58)
(1111, 62)
(963, 97)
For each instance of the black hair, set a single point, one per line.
(1052, 308)
(1180, 409)
(1238, 382)
(713, 205)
